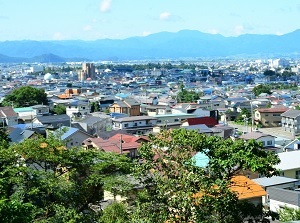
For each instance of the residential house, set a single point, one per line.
(9, 116)
(18, 135)
(289, 164)
(280, 198)
(128, 106)
(276, 199)
(78, 108)
(267, 140)
(269, 117)
(168, 121)
(53, 121)
(211, 102)
(152, 110)
(92, 124)
(200, 128)
(135, 124)
(72, 137)
(223, 131)
(290, 121)
(41, 109)
(25, 114)
(119, 143)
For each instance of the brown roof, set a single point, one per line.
(7, 112)
(272, 110)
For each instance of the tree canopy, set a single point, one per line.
(25, 97)
(180, 191)
(187, 96)
(42, 181)
(262, 88)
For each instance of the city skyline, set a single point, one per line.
(120, 19)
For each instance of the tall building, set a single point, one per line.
(88, 71)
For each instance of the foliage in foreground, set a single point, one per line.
(178, 191)
(42, 181)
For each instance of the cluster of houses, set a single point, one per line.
(127, 113)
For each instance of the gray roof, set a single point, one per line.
(202, 128)
(131, 101)
(121, 104)
(275, 180)
(292, 113)
(254, 135)
(90, 119)
(19, 135)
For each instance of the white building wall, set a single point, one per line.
(276, 205)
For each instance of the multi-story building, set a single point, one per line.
(290, 121)
(88, 71)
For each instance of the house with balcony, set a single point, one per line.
(269, 117)
(290, 121)
(135, 124)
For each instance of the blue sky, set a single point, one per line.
(119, 19)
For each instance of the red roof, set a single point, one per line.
(208, 121)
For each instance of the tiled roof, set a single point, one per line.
(134, 118)
(246, 188)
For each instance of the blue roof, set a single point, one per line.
(201, 159)
(69, 131)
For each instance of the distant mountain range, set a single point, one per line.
(163, 45)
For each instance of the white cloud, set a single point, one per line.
(87, 28)
(238, 30)
(57, 36)
(105, 5)
(146, 33)
(213, 31)
(164, 16)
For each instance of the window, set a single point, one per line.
(276, 115)
(83, 107)
(158, 121)
(125, 125)
(297, 174)
(176, 120)
(266, 115)
(269, 143)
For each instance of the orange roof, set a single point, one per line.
(243, 187)
(246, 188)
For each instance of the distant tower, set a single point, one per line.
(88, 71)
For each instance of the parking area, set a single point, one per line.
(275, 131)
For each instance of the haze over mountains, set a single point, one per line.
(163, 45)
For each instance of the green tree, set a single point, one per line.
(95, 107)
(26, 96)
(115, 213)
(187, 96)
(179, 191)
(42, 181)
(262, 88)
(289, 214)
(59, 109)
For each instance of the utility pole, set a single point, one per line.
(121, 147)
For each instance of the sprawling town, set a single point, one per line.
(116, 107)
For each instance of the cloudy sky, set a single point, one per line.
(119, 19)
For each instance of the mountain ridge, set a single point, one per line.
(162, 45)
